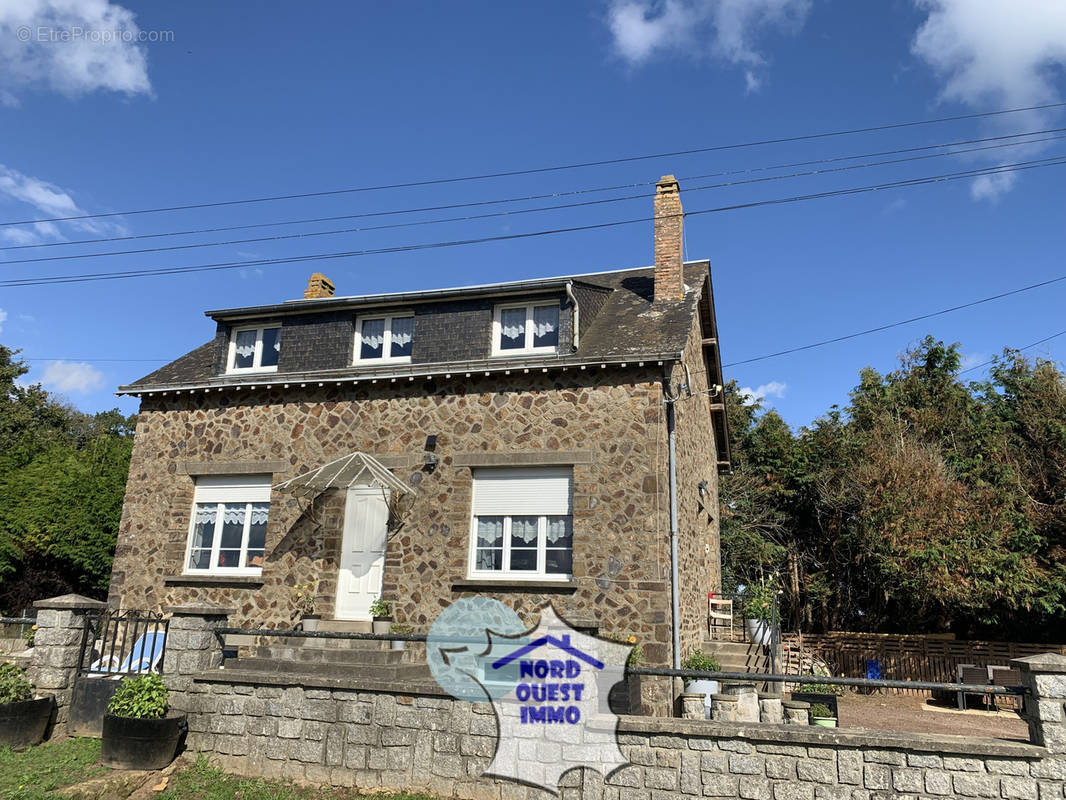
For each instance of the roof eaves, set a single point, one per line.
(410, 372)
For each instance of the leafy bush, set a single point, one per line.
(14, 686)
(304, 595)
(404, 629)
(821, 688)
(699, 661)
(381, 608)
(759, 601)
(818, 711)
(143, 697)
(636, 655)
(29, 635)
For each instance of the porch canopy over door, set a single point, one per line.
(346, 472)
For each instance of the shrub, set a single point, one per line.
(29, 635)
(636, 655)
(818, 711)
(404, 629)
(14, 686)
(759, 601)
(381, 608)
(143, 697)
(821, 688)
(699, 661)
(305, 597)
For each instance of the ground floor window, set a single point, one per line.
(229, 522)
(523, 525)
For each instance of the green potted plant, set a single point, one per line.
(758, 611)
(698, 661)
(381, 610)
(306, 602)
(141, 731)
(400, 644)
(822, 716)
(23, 719)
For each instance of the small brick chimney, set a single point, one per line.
(669, 230)
(318, 285)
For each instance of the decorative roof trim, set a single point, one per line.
(274, 380)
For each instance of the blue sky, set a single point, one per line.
(199, 102)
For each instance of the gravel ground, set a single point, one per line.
(915, 714)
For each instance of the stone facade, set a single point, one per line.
(607, 423)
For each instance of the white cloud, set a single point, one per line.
(991, 54)
(70, 46)
(772, 389)
(3, 319)
(642, 29)
(72, 376)
(48, 200)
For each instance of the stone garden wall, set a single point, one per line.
(379, 737)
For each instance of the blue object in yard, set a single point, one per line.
(873, 669)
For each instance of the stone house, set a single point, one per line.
(507, 440)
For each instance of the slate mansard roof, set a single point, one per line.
(617, 322)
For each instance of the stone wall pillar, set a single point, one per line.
(193, 646)
(1045, 705)
(57, 646)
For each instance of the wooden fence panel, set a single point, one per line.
(902, 657)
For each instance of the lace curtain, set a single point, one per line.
(513, 323)
(545, 321)
(558, 530)
(524, 529)
(402, 329)
(373, 334)
(489, 531)
(205, 515)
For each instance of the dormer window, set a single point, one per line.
(525, 328)
(255, 349)
(385, 339)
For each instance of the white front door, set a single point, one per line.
(362, 552)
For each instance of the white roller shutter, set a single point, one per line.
(523, 491)
(233, 489)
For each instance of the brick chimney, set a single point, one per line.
(669, 229)
(318, 285)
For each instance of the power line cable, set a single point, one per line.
(907, 321)
(540, 170)
(1020, 349)
(494, 214)
(547, 196)
(97, 276)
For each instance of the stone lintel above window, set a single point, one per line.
(231, 467)
(522, 458)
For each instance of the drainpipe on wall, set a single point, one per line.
(577, 314)
(672, 474)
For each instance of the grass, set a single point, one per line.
(37, 772)
(205, 781)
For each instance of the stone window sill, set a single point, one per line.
(240, 581)
(492, 584)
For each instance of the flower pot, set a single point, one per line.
(381, 624)
(824, 722)
(759, 631)
(397, 645)
(24, 724)
(310, 621)
(141, 743)
(706, 687)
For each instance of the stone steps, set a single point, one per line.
(738, 656)
(334, 655)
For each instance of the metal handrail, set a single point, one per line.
(969, 688)
(651, 671)
(18, 620)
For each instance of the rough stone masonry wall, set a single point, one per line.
(610, 418)
(382, 739)
(699, 545)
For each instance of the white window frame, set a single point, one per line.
(528, 348)
(386, 347)
(221, 491)
(257, 358)
(540, 574)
